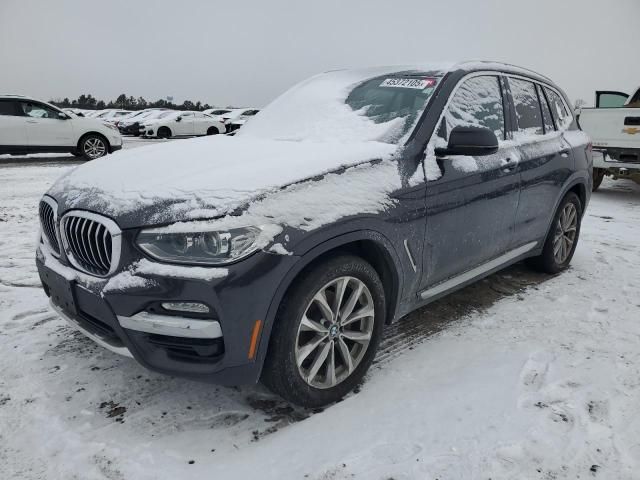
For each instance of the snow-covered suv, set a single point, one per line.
(281, 252)
(32, 126)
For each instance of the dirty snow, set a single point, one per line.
(543, 383)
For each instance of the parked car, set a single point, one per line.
(216, 112)
(112, 115)
(240, 120)
(180, 124)
(354, 198)
(131, 126)
(28, 126)
(614, 126)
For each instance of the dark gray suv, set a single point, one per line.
(354, 198)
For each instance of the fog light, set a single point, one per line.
(191, 307)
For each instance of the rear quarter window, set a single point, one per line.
(560, 112)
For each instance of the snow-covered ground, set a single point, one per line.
(521, 376)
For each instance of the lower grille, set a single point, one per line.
(91, 242)
(48, 222)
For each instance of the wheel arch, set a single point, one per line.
(577, 185)
(371, 246)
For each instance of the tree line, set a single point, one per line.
(89, 102)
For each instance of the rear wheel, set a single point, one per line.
(598, 176)
(212, 131)
(326, 333)
(93, 146)
(562, 238)
(164, 132)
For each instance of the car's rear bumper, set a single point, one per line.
(215, 347)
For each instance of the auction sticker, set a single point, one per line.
(417, 83)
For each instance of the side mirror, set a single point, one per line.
(179, 119)
(472, 141)
(63, 116)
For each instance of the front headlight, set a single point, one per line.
(111, 126)
(203, 247)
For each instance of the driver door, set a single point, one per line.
(45, 127)
(471, 201)
(186, 124)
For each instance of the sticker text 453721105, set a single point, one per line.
(417, 83)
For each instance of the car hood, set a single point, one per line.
(200, 178)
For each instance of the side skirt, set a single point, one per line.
(459, 281)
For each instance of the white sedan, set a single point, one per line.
(181, 124)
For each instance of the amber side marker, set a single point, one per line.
(255, 333)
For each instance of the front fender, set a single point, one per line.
(323, 245)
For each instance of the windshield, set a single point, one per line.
(370, 105)
(168, 113)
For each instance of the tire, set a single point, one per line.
(552, 260)
(598, 176)
(289, 336)
(93, 146)
(164, 132)
(212, 131)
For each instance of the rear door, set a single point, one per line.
(471, 201)
(13, 133)
(546, 160)
(201, 123)
(44, 126)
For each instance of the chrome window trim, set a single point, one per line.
(54, 205)
(110, 225)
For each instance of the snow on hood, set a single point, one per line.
(201, 178)
(306, 132)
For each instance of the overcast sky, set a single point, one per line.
(246, 52)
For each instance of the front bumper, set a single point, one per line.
(214, 347)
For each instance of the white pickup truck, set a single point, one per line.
(614, 127)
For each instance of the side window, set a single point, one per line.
(36, 110)
(477, 102)
(8, 108)
(525, 101)
(547, 118)
(563, 116)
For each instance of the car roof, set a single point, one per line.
(442, 68)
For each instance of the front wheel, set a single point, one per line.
(326, 333)
(212, 131)
(562, 238)
(93, 146)
(164, 132)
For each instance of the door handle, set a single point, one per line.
(508, 164)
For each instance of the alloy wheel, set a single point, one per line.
(334, 332)
(94, 147)
(565, 234)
